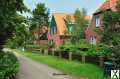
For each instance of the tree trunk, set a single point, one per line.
(60, 54)
(52, 52)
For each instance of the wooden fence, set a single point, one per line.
(98, 60)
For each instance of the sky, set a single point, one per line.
(66, 6)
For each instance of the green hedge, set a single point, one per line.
(86, 49)
(9, 66)
(99, 50)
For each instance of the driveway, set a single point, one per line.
(30, 69)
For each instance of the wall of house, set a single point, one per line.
(54, 36)
(37, 32)
(41, 42)
(90, 31)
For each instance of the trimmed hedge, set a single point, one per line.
(86, 49)
(9, 66)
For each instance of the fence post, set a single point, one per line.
(52, 52)
(101, 61)
(70, 56)
(40, 50)
(83, 58)
(45, 52)
(60, 54)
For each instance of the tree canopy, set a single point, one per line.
(40, 16)
(21, 34)
(80, 24)
(8, 18)
(111, 34)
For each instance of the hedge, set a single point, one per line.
(86, 49)
(9, 65)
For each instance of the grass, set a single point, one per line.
(74, 68)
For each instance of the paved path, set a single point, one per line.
(30, 69)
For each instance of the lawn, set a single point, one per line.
(73, 68)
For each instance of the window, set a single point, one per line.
(70, 27)
(53, 30)
(97, 21)
(93, 40)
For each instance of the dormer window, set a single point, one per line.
(97, 21)
(70, 27)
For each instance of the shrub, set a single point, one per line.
(84, 48)
(9, 66)
(68, 47)
(114, 55)
(98, 50)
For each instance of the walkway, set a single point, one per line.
(30, 69)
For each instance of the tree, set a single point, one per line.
(40, 17)
(21, 35)
(80, 25)
(111, 34)
(8, 20)
(69, 25)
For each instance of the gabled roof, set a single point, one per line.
(60, 21)
(108, 4)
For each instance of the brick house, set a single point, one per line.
(97, 22)
(56, 34)
(40, 35)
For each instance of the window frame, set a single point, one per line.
(97, 21)
(93, 40)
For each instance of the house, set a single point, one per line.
(57, 31)
(40, 35)
(97, 22)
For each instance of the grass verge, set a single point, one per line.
(74, 68)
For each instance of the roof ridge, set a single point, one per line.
(108, 4)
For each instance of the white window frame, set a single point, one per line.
(93, 40)
(97, 21)
(55, 30)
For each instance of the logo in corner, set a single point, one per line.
(115, 74)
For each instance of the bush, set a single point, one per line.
(114, 55)
(9, 65)
(68, 47)
(85, 48)
(98, 50)
(81, 48)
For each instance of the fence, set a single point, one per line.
(98, 60)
